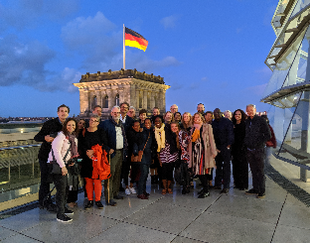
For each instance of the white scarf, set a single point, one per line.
(160, 138)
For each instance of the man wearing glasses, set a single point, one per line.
(116, 146)
(126, 120)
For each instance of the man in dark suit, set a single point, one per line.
(223, 132)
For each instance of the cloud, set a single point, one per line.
(92, 43)
(85, 31)
(95, 38)
(169, 22)
(62, 81)
(23, 63)
(30, 11)
(141, 62)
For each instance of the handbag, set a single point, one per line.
(56, 170)
(138, 158)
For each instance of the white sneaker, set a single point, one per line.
(127, 191)
(132, 190)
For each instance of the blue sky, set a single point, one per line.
(208, 51)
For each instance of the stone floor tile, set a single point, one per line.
(290, 234)
(248, 207)
(295, 215)
(131, 233)
(19, 238)
(27, 219)
(84, 226)
(5, 233)
(215, 227)
(164, 217)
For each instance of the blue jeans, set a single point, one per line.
(144, 168)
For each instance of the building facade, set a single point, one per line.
(141, 90)
(288, 90)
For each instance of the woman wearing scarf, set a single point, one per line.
(147, 149)
(167, 152)
(64, 148)
(90, 137)
(202, 152)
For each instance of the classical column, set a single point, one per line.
(144, 104)
(152, 99)
(84, 101)
(132, 100)
(137, 99)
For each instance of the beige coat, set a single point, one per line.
(210, 148)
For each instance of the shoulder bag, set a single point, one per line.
(55, 166)
(140, 154)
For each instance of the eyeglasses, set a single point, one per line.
(125, 107)
(116, 112)
(93, 120)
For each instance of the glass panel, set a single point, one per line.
(277, 79)
(295, 145)
(297, 73)
(290, 71)
(280, 118)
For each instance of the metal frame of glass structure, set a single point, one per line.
(288, 90)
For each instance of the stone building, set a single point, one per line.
(141, 90)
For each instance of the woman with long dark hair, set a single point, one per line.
(239, 162)
(64, 149)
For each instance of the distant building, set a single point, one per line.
(288, 90)
(141, 90)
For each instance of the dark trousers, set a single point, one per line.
(256, 160)
(144, 168)
(240, 169)
(45, 184)
(185, 175)
(115, 167)
(60, 183)
(223, 167)
(135, 166)
(205, 182)
(167, 171)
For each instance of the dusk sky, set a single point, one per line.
(208, 51)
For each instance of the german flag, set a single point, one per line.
(133, 39)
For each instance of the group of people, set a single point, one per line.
(172, 147)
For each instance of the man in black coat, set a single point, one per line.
(46, 135)
(127, 123)
(223, 132)
(257, 133)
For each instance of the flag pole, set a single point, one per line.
(124, 55)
